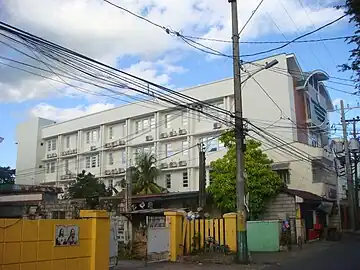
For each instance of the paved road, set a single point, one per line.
(343, 255)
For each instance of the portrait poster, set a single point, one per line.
(66, 235)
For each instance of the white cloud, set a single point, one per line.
(106, 33)
(62, 114)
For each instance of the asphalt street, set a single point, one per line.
(343, 255)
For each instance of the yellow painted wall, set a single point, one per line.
(30, 244)
(182, 233)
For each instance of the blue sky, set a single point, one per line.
(107, 34)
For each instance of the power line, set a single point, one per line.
(297, 38)
(272, 42)
(252, 15)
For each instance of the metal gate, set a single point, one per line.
(158, 238)
(114, 225)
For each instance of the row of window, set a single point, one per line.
(185, 180)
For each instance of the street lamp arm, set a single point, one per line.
(267, 66)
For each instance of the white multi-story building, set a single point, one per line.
(106, 143)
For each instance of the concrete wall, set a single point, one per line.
(26, 244)
(278, 207)
(30, 152)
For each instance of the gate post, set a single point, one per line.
(100, 238)
(176, 234)
(230, 230)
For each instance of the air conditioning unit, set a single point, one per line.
(182, 163)
(107, 172)
(62, 177)
(68, 172)
(122, 142)
(217, 125)
(107, 145)
(48, 156)
(163, 135)
(54, 155)
(93, 148)
(121, 170)
(164, 165)
(182, 131)
(75, 151)
(172, 133)
(63, 153)
(114, 171)
(173, 164)
(149, 138)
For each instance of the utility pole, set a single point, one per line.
(354, 149)
(350, 183)
(202, 176)
(128, 203)
(242, 249)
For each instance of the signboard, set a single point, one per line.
(66, 235)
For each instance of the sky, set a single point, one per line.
(108, 34)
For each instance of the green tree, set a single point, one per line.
(7, 175)
(261, 182)
(144, 174)
(88, 187)
(352, 9)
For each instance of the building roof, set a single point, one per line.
(305, 195)
(155, 197)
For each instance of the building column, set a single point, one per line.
(100, 238)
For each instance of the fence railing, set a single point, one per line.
(204, 235)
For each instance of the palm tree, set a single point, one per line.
(144, 174)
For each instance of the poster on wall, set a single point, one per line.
(66, 235)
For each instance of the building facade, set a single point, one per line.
(106, 143)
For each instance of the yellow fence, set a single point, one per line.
(36, 244)
(212, 234)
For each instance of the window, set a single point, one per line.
(47, 167)
(145, 123)
(111, 159)
(168, 180)
(67, 142)
(152, 123)
(95, 136)
(52, 167)
(185, 147)
(168, 150)
(138, 127)
(53, 142)
(66, 165)
(87, 162)
(212, 144)
(185, 179)
(184, 119)
(49, 146)
(123, 157)
(111, 183)
(284, 175)
(92, 136)
(88, 137)
(168, 121)
(93, 161)
(111, 133)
